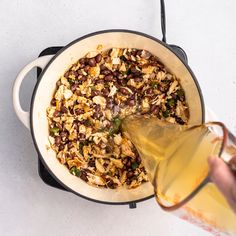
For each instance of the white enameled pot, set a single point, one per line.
(55, 66)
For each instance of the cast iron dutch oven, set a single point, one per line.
(55, 66)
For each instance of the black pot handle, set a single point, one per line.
(163, 20)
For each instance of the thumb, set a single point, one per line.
(224, 179)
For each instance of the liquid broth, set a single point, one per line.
(157, 143)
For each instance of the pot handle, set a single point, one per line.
(24, 116)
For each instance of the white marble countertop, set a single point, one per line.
(205, 29)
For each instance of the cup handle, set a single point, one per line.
(24, 116)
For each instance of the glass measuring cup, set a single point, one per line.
(189, 185)
(176, 159)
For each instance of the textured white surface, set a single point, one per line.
(205, 29)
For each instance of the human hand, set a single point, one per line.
(224, 178)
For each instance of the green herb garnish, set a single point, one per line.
(87, 122)
(54, 130)
(180, 93)
(166, 113)
(123, 58)
(93, 87)
(75, 171)
(70, 80)
(135, 165)
(116, 123)
(128, 72)
(171, 102)
(155, 85)
(81, 148)
(101, 129)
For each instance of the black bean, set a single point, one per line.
(108, 78)
(64, 109)
(71, 111)
(92, 62)
(179, 120)
(109, 105)
(154, 109)
(134, 52)
(53, 102)
(91, 163)
(116, 73)
(131, 88)
(103, 67)
(143, 169)
(61, 147)
(83, 175)
(100, 81)
(139, 52)
(78, 111)
(57, 140)
(130, 174)
(149, 91)
(105, 92)
(82, 61)
(83, 78)
(57, 113)
(64, 135)
(134, 70)
(75, 73)
(106, 72)
(67, 74)
(109, 99)
(97, 115)
(78, 92)
(98, 58)
(73, 87)
(121, 83)
(97, 108)
(117, 102)
(110, 184)
(132, 96)
(116, 84)
(163, 88)
(109, 149)
(138, 159)
(86, 68)
(70, 145)
(95, 93)
(138, 79)
(68, 155)
(75, 124)
(108, 125)
(129, 164)
(130, 76)
(124, 91)
(130, 102)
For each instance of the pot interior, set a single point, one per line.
(61, 62)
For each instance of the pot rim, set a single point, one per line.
(56, 55)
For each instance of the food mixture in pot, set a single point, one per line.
(92, 98)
